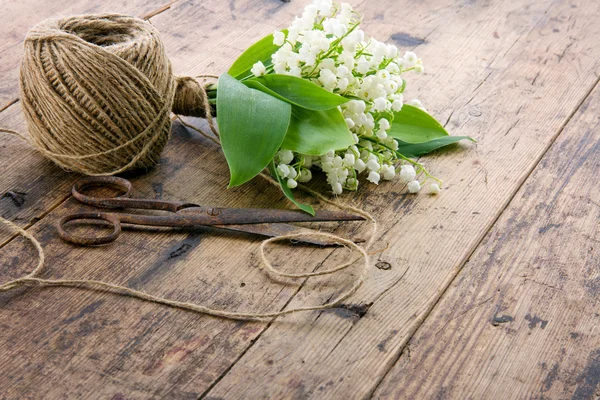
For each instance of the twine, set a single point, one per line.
(97, 92)
(33, 279)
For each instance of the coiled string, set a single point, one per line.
(85, 125)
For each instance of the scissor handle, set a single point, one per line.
(93, 181)
(90, 240)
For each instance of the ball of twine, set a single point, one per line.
(98, 90)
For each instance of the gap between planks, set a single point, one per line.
(463, 262)
(457, 270)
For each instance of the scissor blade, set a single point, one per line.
(228, 216)
(279, 229)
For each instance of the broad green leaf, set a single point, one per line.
(317, 132)
(297, 91)
(287, 191)
(413, 125)
(259, 51)
(252, 126)
(419, 149)
(254, 84)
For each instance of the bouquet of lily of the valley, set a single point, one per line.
(322, 96)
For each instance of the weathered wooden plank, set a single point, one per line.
(520, 110)
(520, 320)
(64, 333)
(100, 343)
(30, 185)
(20, 16)
(152, 351)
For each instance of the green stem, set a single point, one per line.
(420, 167)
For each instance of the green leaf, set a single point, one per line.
(419, 149)
(297, 91)
(317, 132)
(252, 126)
(413, 125)
(287, 191)
(259, 51)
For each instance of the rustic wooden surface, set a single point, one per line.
(489, 290)
(528, 297)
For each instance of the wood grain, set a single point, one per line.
(520, 321)
(20, 16)
(493, 73)
(147, 350)
(30, 185)
(337, 355)
(66, 334)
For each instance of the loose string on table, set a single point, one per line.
(33, 279)
(82, 124)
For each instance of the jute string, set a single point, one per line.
(33, 279)
(97, 92)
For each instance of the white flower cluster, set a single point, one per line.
(326, 46)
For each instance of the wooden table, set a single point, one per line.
(488, 291)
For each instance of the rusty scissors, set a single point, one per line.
(261, 221)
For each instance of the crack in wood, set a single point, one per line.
(542, 284)
(464, 312)
(481, 238)
(10, 103)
